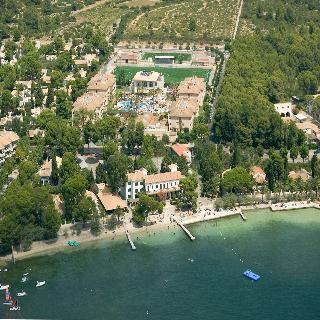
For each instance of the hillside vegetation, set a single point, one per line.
(279, 58)
(185, 21)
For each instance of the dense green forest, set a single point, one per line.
(278, 58)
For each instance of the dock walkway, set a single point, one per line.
(184, 229)
(133, 247)
(242, 216)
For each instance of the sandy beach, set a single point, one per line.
(157, 223)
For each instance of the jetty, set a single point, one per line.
(242, 216)
(184, 229)
(133, 247)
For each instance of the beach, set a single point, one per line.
(158, 223)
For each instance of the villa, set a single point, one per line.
(193, 87)
(284, 109)
(302, 173)
(104, 84)
(310, 129)
(91, 102)
(258, 175)
(182, 114)
(144, 81)
(45, 171)
(182, 150)
(154, 184)
(8, 142)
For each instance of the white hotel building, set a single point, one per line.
(139, 181)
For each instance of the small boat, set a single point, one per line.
(4, 287)
(251, 275)
(73, 243)
(24, 279)
(15, 308)
(25, 274)
(40, 283)
(21, 294)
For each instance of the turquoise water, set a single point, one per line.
(106, 280)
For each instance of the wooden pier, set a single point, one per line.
(133, 247)
(242, 216)
(184, 229)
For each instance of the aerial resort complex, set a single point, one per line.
(159, 159)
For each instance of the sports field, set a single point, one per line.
(171, 75)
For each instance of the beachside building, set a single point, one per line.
(192, 87)
(154, 184)
(91, 102)
(284, 109)
(127, 58)
(182, 114)
(8, 142)
(104, 84)
(45, 171)
(182, 150)
(144, 81)
(108, 200)
(258, 175)
(302, 173)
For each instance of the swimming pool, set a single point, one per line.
(123, 104)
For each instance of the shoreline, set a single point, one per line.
(40, 248)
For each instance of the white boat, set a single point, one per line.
(4, 287)
(24, 279)
(40, 283)
(15, 308)
(25, 274)
(21, 294)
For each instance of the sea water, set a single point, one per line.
(171, 277)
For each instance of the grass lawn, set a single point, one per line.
(179, 57)
(171, 75)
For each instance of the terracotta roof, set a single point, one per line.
(110, 201)
(46, 168)
(180, 149)
(163, 177)
(136, 176)
(7, 137)
(147, 76)
(91, 195)
(304, 174)
(147, 119)
(184, 108)
(194, 85)
(255, 170)
(89, 101)
(308, 126)
(127, 56)
(102, 81)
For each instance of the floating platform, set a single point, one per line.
(253, 276)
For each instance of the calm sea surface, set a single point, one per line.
(170, 277)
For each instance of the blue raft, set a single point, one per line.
(253, 276)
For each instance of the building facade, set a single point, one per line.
(8, 142)
(154, 184)
(145, 81)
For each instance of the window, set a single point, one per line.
(136, 184)
(129, 189)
